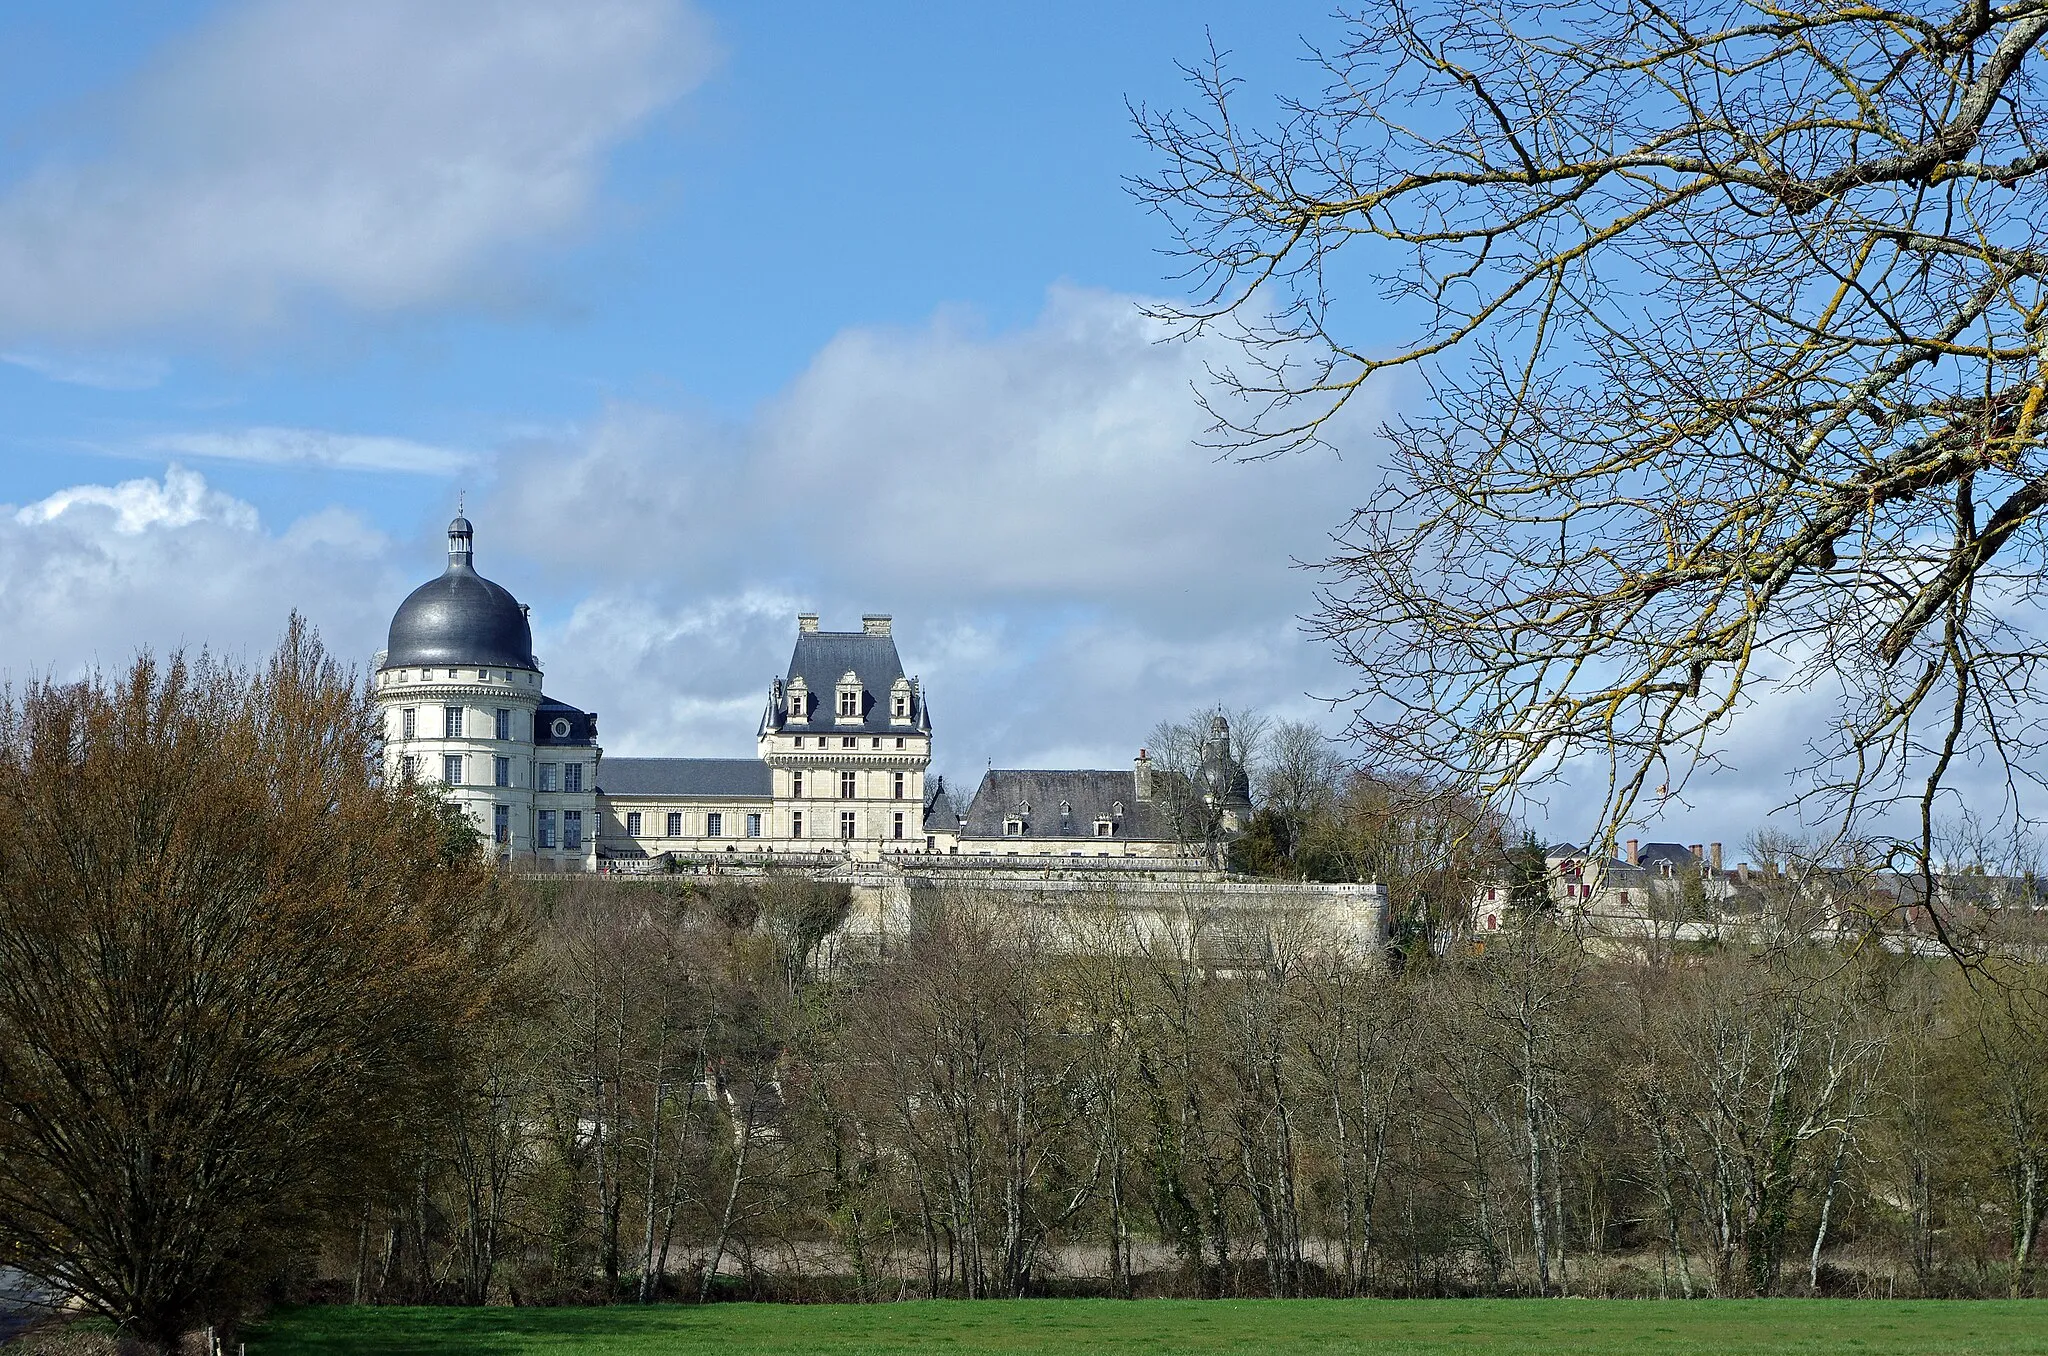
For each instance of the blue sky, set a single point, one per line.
(714, 311)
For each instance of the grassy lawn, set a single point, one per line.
(1112, 1328)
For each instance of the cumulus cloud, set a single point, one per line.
(1066, 565)
(91, 573)
(379, 154)
(317, 448)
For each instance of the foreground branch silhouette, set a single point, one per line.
(1730, 316)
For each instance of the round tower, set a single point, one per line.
(458, 686)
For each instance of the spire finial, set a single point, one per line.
(461, 498)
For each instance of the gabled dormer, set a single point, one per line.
(902, 702)
(849, 699)
(799, 699)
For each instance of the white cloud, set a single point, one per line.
(380, 154)
(107, 373)
(316, 448)
(93, 572)
(1066, 564)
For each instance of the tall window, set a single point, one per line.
(501, 824)
(896, 782)
(504, 730)
(849, 702)
(408, 767)
(675, 824)
(899, 705)
(572, 828)
(547, 828)
(454, 726)
(896, 825)
(796, 824)
(633, 823)
(753, 826)
(846, 783)
(501, 772)
(408, 722)
(451, 769)
(547, 776)
(846, 823)
(714, 825)
(796, 783)
(572, 776)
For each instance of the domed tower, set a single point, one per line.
(1224, 785)
(460, 692)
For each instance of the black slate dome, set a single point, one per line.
(461, 618)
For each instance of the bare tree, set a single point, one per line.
(1731, 323)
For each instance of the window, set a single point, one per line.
(633, 823)
(501, 772)
(451, 769)
(572, 776)
(483, 675)
(846, 823)
(899, 705)
(501, 824)
(899, 741)
(849, 701)
(846, 784)
(1102, 828)
(504, 730)
(877, 742)
(896, 825)
(753, 826)
(799, 741)
(561, 728)
(451, 672)
(796, 825)
(408, 767)
(547, 776)
(896, 783)
(675, 824)
(1013, 828)
(547, 828)
(408, 722)
(848, 742)
(454, 722)
(572, 828)
(714, 825)
(796, 783)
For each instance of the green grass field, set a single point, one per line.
(1157, 1327)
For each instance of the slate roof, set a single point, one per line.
(821, 658)
(683, 777)
(1086, 795)
(461, 618)
(941, 815)
(582, 725)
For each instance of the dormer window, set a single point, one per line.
(1103, 828)
(849, 691)
(1013, 828)
(849, 702)
(799, 700)
(899, 702)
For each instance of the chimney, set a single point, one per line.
(1742, 872)
(875, 623)
(1714, 855)
(806, 623)
(1699, 858)
(1632, 859)
(1141, 775)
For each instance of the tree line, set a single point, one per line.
(269, 1027)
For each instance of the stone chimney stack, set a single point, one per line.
(875, 623)
(1714, 855)
(1141, 775)
(1699, 856)
(806, 623)
(1631, 848)
(1742, 872)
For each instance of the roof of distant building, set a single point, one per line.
(822, 658)
(576, 727)
(684, 777)
(1061, 804)
(460, 618)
